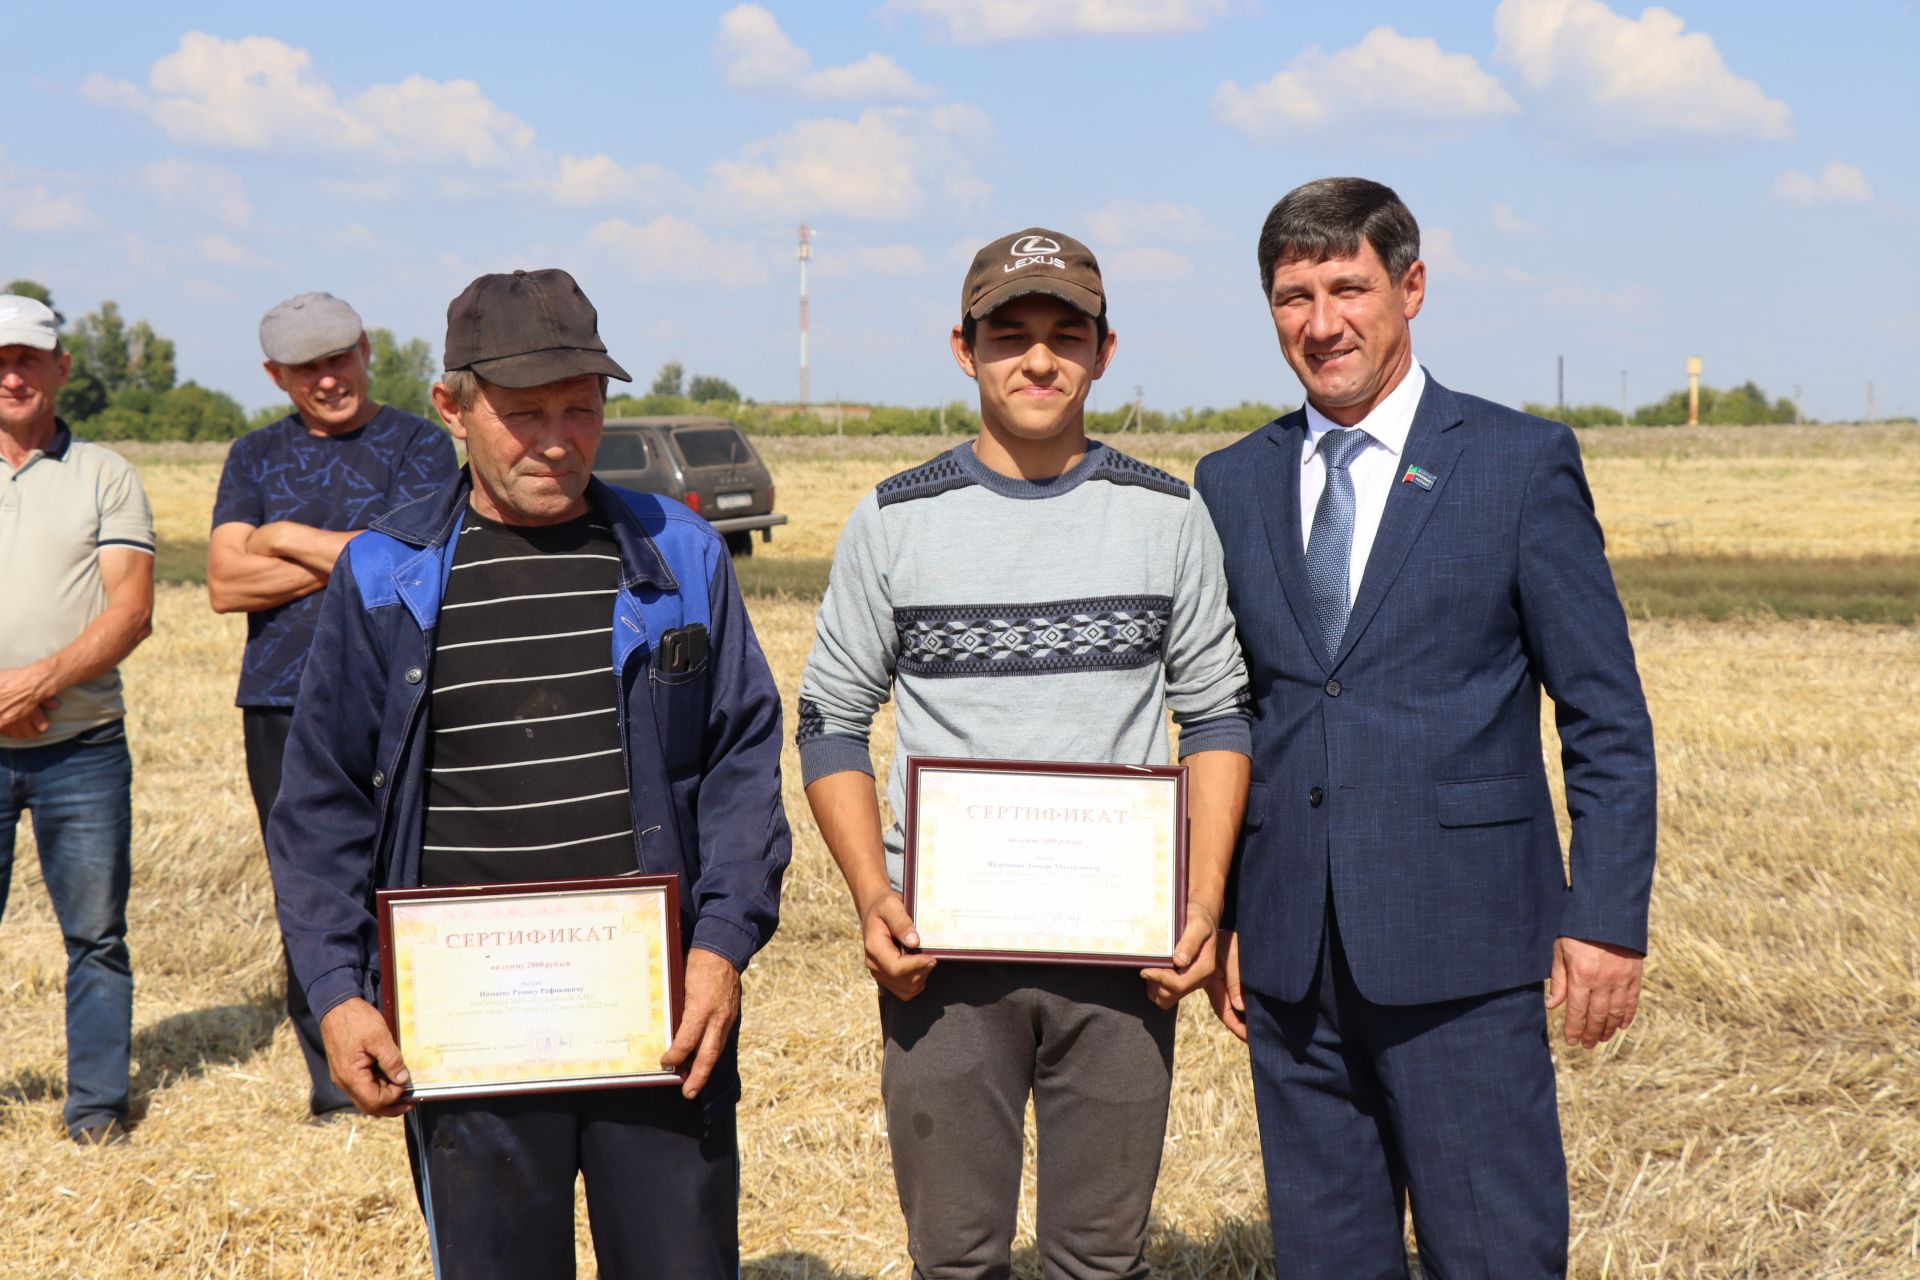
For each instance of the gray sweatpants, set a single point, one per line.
(961, 1059)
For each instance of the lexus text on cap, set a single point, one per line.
(27, 322)
(526, 329)
(1033, 261)
(308, 326)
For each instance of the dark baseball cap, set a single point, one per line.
(527, 329)
(1033, 261)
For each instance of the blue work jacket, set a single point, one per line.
(702, 747)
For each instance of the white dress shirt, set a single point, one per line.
(1375, 467)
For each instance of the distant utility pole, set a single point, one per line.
(1560, 391)
(1693, 391)
(1132, 419)
(806, 254)
(1624, 419)
(1796, 404)
(1872, 417)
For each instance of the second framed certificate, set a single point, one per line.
(1038, 860)
(530, 988)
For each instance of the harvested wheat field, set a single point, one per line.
(1761, 1118)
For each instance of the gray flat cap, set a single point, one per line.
(308, 326)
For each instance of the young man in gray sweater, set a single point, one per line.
(1028, 595)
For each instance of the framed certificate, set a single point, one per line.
(1032, 860)
(532, 988)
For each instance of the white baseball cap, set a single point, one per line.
(27, 322)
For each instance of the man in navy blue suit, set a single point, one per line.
(1409, 568)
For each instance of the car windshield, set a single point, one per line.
(712, 447)
(621, 452)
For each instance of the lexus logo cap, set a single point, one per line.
(526, 329)
(1033, 261)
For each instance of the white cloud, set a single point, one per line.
(204, 189)
(1507, 222)
(881, 166)
(1145, 265)
(888, 261)
(1838, 183)
(1387, 84)
(222, 252)
(30, 205)
(672, 248)
(1633, 303)
(754, 54)
(600, 179)
(991, 21)
(258, 93)
(363, 191)
(1127, 223)
(1621, 80)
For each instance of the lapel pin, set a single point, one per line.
(1416, 475)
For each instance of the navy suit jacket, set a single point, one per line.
(1405, 773)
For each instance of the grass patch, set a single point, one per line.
(799, 578)
(1714, 588)
(178, 561)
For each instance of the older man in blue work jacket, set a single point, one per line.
(532, 675)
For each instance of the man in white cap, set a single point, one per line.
(76, 555)
(291, 496)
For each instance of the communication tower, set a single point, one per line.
(806, 253)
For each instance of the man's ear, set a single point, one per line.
(449, 410)
(273, 371)
(1414, 287)
(1106, 353)
(962, 353)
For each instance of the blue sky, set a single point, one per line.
(1625, 187)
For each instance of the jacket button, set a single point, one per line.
(414, 674)
(1315, 796)
(379, 778)
(1333, 688)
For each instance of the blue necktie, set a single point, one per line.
(1330, 542)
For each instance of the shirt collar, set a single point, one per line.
(1390, 422)
(61, 442)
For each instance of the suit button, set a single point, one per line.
(379, 778)
(1333, 688)
(414, 674)
(1315, 796)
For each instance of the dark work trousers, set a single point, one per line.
(961, 1059)
(495, 1178)
(1366, 1106)
(264, 730)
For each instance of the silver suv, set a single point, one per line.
(707, 463)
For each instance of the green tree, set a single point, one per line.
(82, 399)
(401, 372)
(704, 388)
(150, 364)
(667, 382)
(99, 345)
(39, 293)
(1744, 405)
(1576, 415)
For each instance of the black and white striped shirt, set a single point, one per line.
(525, 776)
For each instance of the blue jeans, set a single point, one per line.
(80, 793)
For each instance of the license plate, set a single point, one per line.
(733, 501)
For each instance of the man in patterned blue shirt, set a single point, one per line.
(291, 497)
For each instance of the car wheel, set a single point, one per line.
(741, 543)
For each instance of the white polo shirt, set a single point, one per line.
(57, 510)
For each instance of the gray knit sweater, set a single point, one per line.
(1016, 619)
